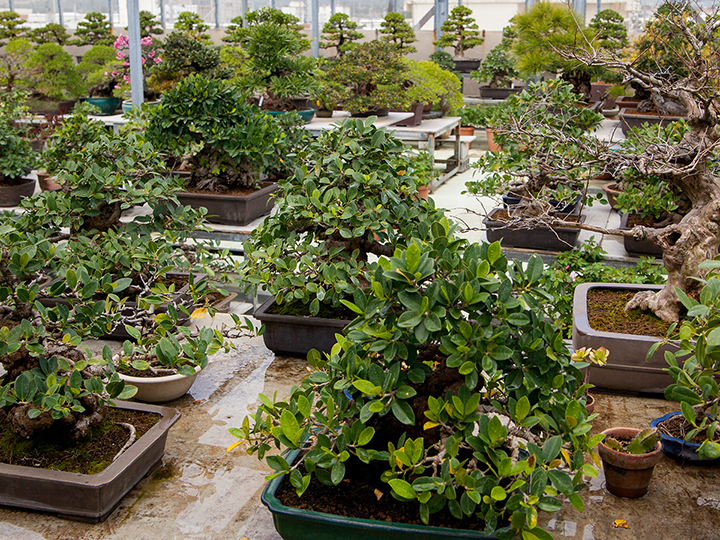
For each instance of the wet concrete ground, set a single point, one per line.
(203, 493)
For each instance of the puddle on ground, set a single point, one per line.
(215, 497)
(230, 410)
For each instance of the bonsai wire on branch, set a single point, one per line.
(688, 165)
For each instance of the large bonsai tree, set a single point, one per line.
(460, 31)
(395, 29)
(687, 164)
(95, 29)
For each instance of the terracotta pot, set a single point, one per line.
(12, 195)
(627, 475)
(47, 182)
(492, 146)
(611, 192)
(424, 191)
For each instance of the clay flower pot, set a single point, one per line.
(627, 475)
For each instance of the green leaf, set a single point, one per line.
(366, 387)
(403, 412)
(522, 408)
(402, 488)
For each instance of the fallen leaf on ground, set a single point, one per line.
(378, 494)
(620, 524)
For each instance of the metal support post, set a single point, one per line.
(441, 13)
(136, 70)
(162, 14)
(580, 7)
(315, 27)
(332, 7)
(110, 13)
(217, 13)
(60, 16)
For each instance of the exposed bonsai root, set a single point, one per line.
(652, 301)
(131, 440)
(24, 426)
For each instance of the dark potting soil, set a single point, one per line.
(363, 495)
(47, 450)
(677, 427)
(606, 313)
(298, 309)
(645, 221)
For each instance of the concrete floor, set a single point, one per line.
(205, 494)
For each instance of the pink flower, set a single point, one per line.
(143, 61)
(126, 63)
(114, 73)
(573, 275)
(158, 59)
(151, 54)
(120, 55)
(106, 73)
(146, 41)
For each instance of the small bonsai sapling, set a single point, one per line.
(642, 443)
(95, 29)
(460, 31)
(340, 32)
(395, 29)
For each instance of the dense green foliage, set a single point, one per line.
(394, 29)
(460, 31)
(340, 32)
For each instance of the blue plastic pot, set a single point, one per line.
(307, 115)
(679, 449)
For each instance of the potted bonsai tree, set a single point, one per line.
(352, 196)
(16, 154)
(427, 83)
(460, 31)
(227, 143)
(443, 376)
(54, 80)
(276, 69)
(372, 75)
(541, 182)
(95, 29)
(498, 69)
(394, 29)
(341, 33)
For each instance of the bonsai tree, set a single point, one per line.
(445, 61)
(193, 25)
(443, 376)
(687, 166)
(183, 55)
(340, 32)
(394, 29)
(227, 142)
(14, 71)
(540, 33)
(95, 29)
(16, 154)
(53, 74)
(150, 26)
(498, 68)
(344, 204)
(50, 33)
(372, 75)
(429, 83)
(101, 70)
(276, 69)
(11, 26)
(460, 31)
(610, 35)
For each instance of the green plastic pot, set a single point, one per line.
(297, 524)
(307, 114)
(107, 105)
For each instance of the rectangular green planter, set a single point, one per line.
(297, 524)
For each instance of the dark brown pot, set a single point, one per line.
(642, 248)
(537, 237)
(627, 475)
(466, 66)
(498, 93)
(12, 195)
(232, 209)
(631, 119)
(296, 336)
(89, 497)
(324, 113)
(416, 119)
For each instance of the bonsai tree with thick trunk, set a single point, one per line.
(687, 164)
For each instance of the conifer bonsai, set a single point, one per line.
(394, 29)
(95, 29)
(460, 31)
(340, 32)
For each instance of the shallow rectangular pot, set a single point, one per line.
(88, 497)
(638, 247)
(296, 336)
(297, 524)
(232, 209)
(627, 369)
(539, 237)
